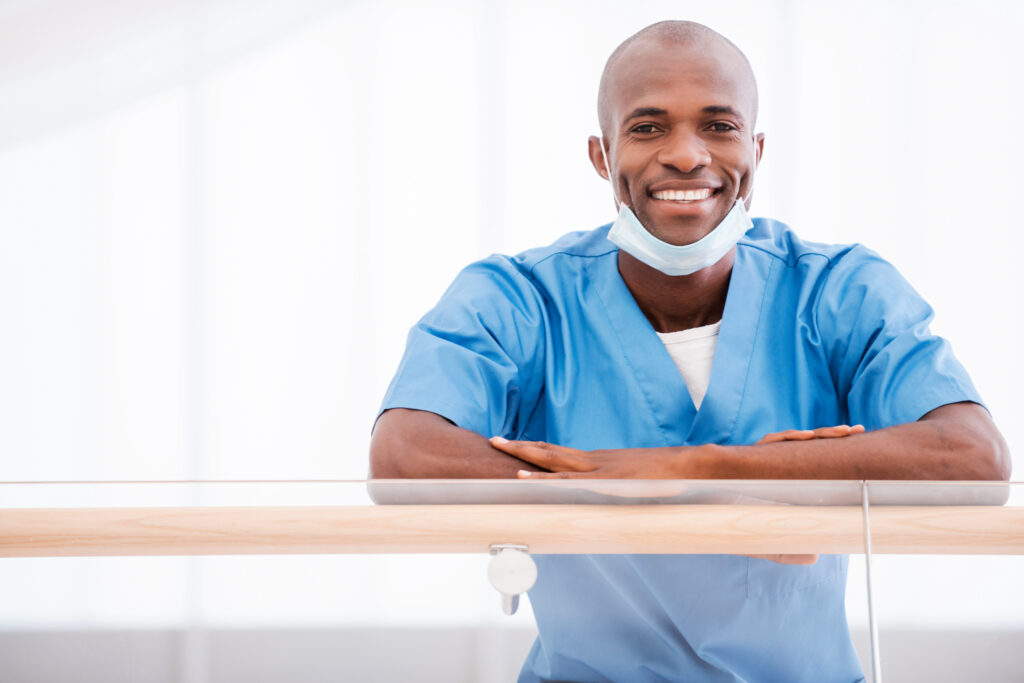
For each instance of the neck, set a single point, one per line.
(673, 303)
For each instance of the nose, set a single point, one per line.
(684, 151)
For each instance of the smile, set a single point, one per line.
(683, 195)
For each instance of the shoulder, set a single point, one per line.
(560, 259)
(778, 241)
(572, 247)
(838, 263)
(522, 280)
(839, 276)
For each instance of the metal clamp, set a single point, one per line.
(511, 571)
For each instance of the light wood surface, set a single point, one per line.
(748, 529)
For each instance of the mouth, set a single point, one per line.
(684, 196)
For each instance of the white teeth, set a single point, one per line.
(683, 195)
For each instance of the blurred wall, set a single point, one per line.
(219, 219)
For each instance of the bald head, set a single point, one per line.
(665, 35)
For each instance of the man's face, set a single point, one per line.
(679, 143)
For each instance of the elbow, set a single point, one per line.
(393, 447)
(383, 465)
(977, 459)
(1000, 465)
(989, 456)
(970, 445)
(383, 461)
(994, 453)
(380, 466)
(994, 464)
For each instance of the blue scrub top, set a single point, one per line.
(549, 345)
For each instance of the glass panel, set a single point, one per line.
(493, 491)
(942, 617)
(181, 493)
(202, 607)
(943, 493)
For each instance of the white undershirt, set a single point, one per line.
(692, 351)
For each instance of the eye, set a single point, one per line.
(723, 127)
(644, 129)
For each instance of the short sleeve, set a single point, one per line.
(477, 358)
(884, 359)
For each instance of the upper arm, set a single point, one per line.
(476, 359)
(420, 444)
(887, 365)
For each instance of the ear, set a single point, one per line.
(597, 157)
(759, 148)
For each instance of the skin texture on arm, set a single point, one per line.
(417, 444)
(954, 442)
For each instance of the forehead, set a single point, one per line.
(680, 79)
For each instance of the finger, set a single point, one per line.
(529, 451)
(797, 559)
(527, 474)
(788, 435)
(539, 453)
(788, 558)
(502, 442)
(838, 431)
(832, 432)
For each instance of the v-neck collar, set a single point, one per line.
(659, 380)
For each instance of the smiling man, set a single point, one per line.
(684, 341)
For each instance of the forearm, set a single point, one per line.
(417, 444)
(956, 442)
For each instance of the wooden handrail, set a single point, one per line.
(545, 528)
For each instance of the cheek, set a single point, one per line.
(738, 172)
(632, 158)
(740, 161)
(629, 172)
(626, 179)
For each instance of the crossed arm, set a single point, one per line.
(956, 441)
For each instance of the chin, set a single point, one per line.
(679, 231)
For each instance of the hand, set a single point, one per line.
(808, 434)
(624, 463)
(653, 463)
(787, 559)
(804, 435)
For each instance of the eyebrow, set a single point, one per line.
(640, 112)
(723, 109)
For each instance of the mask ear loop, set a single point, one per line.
(608, 170)
(750, 193)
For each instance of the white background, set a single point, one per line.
(218, 220)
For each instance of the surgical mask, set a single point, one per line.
(632, 237)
